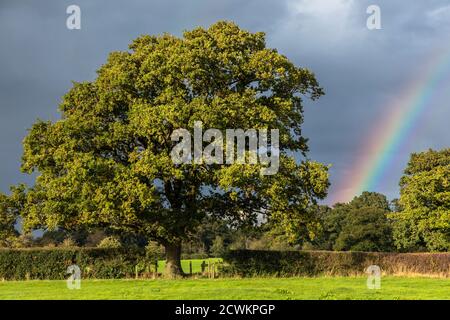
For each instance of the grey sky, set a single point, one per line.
(361, 70)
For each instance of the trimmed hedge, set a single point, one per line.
(52, 263)
(313, 263)
(95, 263)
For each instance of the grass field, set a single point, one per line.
(254, 288)
(196, 264)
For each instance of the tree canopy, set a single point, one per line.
(423, 222)
(360, 225)
(107, 161)
(10, 209)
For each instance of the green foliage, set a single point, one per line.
(153, 251)
(360, 225)
(267, 237)
(20, 264)
(218, 247)
(370, 200)
(51, 238)
(24, 240)
(423, 222)
(10, 207)
(314, 263)
(201, 241)
(365, 229)
(260, 262)
(107, 161)
(68, 243)
(110, 242)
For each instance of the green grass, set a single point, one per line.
(196, 264)
(251, 288)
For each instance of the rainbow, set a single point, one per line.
(389, 134)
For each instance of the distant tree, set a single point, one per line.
(365, 229)
(370, 200)
(153, 251)
(94, 237)
(10, 207)
(203, 238)
(51, 238)
(272, 240)
(330, 220)
(243, 237)
(218, 247)
(107, 162)
(360, 225)
(424, 221)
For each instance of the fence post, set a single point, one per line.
(209, 268)
(203, 266)
(190, 267)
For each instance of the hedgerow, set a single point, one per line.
(52, 263)
(313, 263)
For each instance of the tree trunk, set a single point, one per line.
(173, 261)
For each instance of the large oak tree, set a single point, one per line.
(107, 161)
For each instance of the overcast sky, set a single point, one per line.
(361, 70)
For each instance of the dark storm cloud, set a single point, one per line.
(362, 71)
(40, 57)
(359, 69)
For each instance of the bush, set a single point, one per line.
(218, 247)
(313, 263)
(68, 243)
(52, 263)
(154, 251)
(110, 243)
(22, 241)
